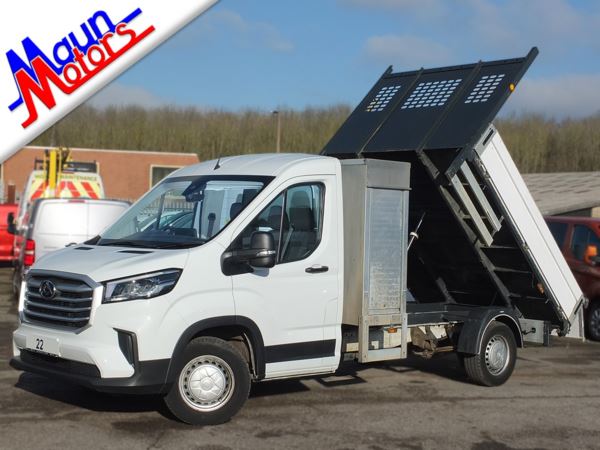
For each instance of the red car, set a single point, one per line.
(579, 241)
(6, 239)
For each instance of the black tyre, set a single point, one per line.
(211, 385)
(495, 362)
(592, 321)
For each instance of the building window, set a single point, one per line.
(157, 173)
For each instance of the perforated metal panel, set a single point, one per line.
(432, 93)
(484, 88)
(382, 98)
(443, 108)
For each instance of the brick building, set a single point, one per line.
(126, 174)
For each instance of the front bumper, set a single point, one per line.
(100, 358)
(124, 347)
(149, 376)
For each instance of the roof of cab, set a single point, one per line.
(265, 164)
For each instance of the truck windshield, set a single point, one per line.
(184, 212)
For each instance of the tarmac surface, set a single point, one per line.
(552, 401)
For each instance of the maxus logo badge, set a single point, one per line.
(47, 289)
(73, 60)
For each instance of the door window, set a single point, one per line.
(294, 218)
(559, 231)
(582, 237)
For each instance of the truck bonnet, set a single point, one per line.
(104, 263)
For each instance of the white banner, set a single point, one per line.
(55, 55)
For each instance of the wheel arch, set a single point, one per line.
(514, 326)
(472, 331)
(222, 327)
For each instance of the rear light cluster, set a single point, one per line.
(29, 254)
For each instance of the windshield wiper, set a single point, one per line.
(93, 241)
(179, 244)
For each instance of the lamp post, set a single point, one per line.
(278, 138)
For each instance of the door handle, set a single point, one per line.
(316, 268)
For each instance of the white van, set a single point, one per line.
(80, 182)
(53, 223)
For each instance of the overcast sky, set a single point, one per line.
(269, 54)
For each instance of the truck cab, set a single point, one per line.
(95, 303)
(399, 237)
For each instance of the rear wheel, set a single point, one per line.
(593, 321)
(212, 384)
(495, 362)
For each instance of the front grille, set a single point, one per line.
(70, 304)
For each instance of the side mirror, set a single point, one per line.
(263, 243)
(10, 222)
(590, 255)
(262, 253)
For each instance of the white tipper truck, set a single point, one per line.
(412, 231)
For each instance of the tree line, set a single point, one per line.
(537, 143)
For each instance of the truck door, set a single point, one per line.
(585, 272)
(295, 303)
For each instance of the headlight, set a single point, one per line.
(143, 286)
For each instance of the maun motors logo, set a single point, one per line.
(75, 59)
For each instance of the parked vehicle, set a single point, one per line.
(56, 175)
(51, 224)
(579, 241)
(7, 210)
(287, 265)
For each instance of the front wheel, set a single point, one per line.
(212, 384)
(495, 362)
